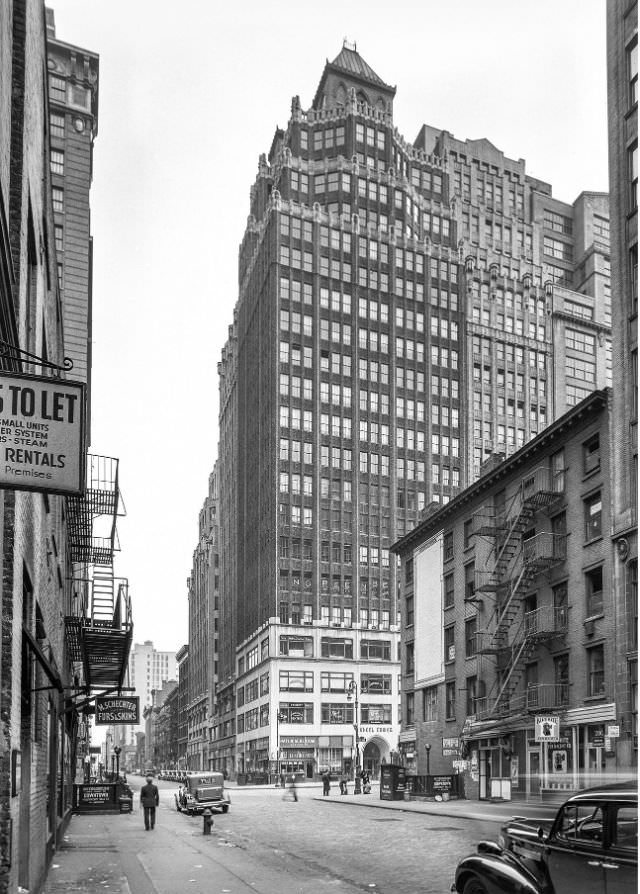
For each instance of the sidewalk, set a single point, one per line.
(495, 811)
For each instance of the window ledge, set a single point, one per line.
(593, 540)
(588, 475)
(595, 698)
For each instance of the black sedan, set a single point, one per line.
(590, 848)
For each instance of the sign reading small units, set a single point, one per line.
(117, 709)
(42, 434)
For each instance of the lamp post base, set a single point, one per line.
(357, 787)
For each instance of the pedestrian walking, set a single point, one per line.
(292, 792)
(149, 800)
(326, 783)
(343, 784)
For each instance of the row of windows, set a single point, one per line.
(332, 681)
(476, 692)
(302, 713)
(303, 647)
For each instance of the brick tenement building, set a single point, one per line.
(622, 70)
(37, 736)
(405, 311)
(509, 614)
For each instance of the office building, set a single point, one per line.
(398, 312)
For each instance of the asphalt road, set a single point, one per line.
(267, 845)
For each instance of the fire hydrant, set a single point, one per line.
(207, 821)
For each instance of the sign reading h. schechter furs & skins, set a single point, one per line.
(42, 434)
(117, 709)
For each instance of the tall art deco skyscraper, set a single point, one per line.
(405, 312)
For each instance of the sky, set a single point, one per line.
(190, 95)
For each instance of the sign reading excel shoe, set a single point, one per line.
(117, 709)
(42, 434)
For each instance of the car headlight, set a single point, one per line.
(502, 841)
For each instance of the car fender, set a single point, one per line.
(502, 874)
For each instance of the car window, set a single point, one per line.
(625, 829)
(581, 823)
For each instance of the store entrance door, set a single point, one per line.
(371, 760)
(533, 773)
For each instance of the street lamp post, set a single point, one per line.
(281, 717)
(117, 751)
(352, 693)
(427, 748)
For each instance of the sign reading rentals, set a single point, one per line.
(42, 434)
(547, 728)
(117, 709)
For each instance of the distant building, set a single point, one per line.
(405, 311)
(509, 616)
(182, 657)
(149, 670)
(203, 590)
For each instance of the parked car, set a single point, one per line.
(590, 848)
(202, 790)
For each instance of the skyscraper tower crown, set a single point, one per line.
(349, 72)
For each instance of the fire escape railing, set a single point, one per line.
(99, 627)
(518, 560)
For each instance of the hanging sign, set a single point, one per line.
(42, 434)
(547, 728)
(117, 709)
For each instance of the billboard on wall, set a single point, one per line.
(42, 434)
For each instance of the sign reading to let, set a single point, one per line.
(547, 728)
(42, 434)
(117, 709)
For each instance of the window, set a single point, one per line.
(470, 630)
(448, 546)
(593, 586)
(375, 713)
(291, 681)
(449, 643)
(375, 683)
(450, 700)
(593, 516)
(468, 533)
(301, 712)
(595, 671)
(591, 454)
(331, 681)
(336, 648)
(57, 161)
(430, 703)
(336, 712)
(379, 650)
(448, 591)
(582, 823)
(296, 646)
(57, 125)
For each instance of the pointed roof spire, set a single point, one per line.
(350, 71)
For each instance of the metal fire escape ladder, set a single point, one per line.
(521, 650)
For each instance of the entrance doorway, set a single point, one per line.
(533, 773)
(371, 760)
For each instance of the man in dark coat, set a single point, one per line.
(149, 799)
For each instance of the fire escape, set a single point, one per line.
(99, 630)
(518, 558)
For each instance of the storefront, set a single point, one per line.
(571, 751)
